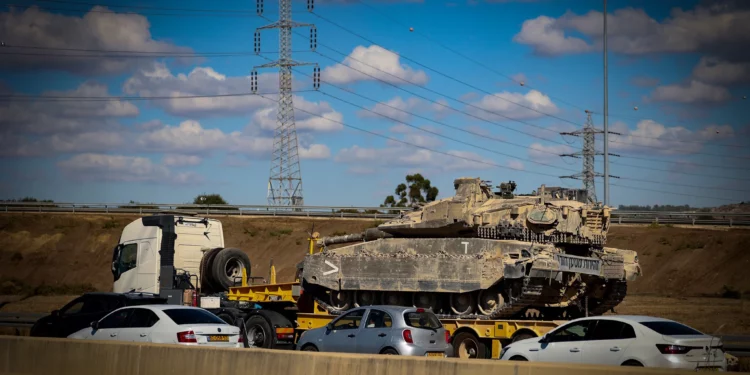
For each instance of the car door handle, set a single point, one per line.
(144, 334)
(112, 334)
(575, 350)
(614, 349)
(382, 335)
(350, 335)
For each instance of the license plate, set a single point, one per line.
(707, 369)
(435, 354)
(218, 338)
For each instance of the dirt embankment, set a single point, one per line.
(71, 252)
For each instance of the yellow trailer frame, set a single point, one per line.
(476, 338)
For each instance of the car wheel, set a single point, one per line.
(518, 358)
(633, 363)
(309, 348)
(389, 351)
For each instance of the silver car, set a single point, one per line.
(381, 330)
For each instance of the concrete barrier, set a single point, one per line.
(28, 355)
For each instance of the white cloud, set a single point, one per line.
(547, 153)
(362, 158)
(65, 116)
(693, 92)
(713, 70)
(315, 151)
(516, 164)
(652, 137)
(104, 167)
(514, 105)
(548, 38)
(189, 137)
(372, 63)
(177, 160)
(303, 119)
(158, 80)
(96, 30)
(633, 31)
(394, 108)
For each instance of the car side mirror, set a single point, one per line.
(95, 324)
(329, 326)
(55, 313)
(544, 339)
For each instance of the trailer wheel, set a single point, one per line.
(468, 345)
(259, 332)
(227, 266)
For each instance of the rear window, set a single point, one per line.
(192, 316)
(422, 320)
(671, 328)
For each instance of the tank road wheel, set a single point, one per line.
(340, 300)
(462, 303)
(490, 301)
(394, 299)
(425, 300)
(365, 298)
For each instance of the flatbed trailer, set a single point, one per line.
(471, 338)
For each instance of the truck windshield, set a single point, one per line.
(425, 320)
(192, 316)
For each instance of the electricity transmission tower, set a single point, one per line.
(285, 180)
(587, 153)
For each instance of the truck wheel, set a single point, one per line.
(227, 267)
(468, 345)
(259, 332)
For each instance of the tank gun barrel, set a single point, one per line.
(368, 235)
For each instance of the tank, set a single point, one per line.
(479, 254)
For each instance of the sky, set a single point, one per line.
(448, 89)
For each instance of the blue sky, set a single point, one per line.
(685, 143)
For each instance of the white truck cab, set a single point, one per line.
(160, 245)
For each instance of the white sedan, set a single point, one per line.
(164, 324)
(623, 340)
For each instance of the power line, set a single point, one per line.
(466, 103)
(253, 12)
(228, 14)
(524, 84)
(63, 98)
(519, 158)
(485, 162)
(448, 76)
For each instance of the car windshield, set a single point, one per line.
(425, 319)
(192, 316)
(671, 328)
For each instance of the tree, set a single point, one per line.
(418, 190)
(209, 199)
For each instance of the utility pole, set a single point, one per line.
(285, 180)
(588, 153)
(606, 114)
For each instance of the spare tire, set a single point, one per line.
(226, 267)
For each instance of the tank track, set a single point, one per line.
(614, 295)
(530, 295)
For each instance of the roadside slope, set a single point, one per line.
(65, 250)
